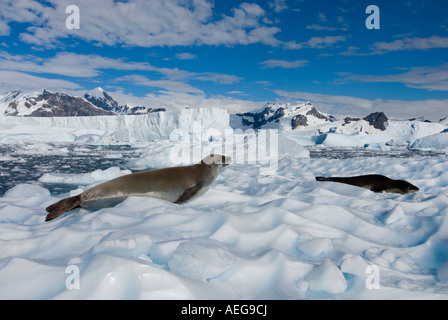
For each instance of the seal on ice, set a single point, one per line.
(375, 183)
(176, 184)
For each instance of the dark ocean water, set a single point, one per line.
(19, 164)
(347, 153)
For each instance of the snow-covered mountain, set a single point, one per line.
(44, 103)
(49, 104)
(103, 100)
(305, 117)
(46, 113)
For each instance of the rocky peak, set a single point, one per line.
(377, 120)
(101, 99)
(293, 115)
(44, 103)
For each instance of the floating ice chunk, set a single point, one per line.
(6, 157)
(26, 191)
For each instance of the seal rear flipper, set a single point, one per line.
(62, 206)
(321, 179)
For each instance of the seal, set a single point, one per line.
(175, 184)
(375, 183)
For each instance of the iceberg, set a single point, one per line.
(124, 128)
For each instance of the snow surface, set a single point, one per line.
(281, 235)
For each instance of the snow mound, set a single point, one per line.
(327, 277)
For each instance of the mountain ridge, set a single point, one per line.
(44, 103)
(305, 116)
(288, 117)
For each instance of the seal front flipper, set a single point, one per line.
(62, 206)
(189, 193)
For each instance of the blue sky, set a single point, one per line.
(234, 54)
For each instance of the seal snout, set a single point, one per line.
(413, 188)
(218, 159)
(226, 161)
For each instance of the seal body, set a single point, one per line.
(177, 185)
(375, 183)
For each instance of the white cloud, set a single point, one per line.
(142, 23)
(12, 80)
(411, 44)
(237, 92)
(324, 42)
(432, 109)
(429, 78)
(185, 56)
(332, 24)
(215, 77)
(278, 5)
(179, 100)
(264, 83)
(21, 11)
(331, 103)
(273, 63)
(89, 66)
(69, 64)
(169, 85)
(316, 42)
(321, 17)
(321, 27)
